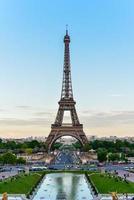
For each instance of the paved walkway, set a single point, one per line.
(5, 175)
(129, 175)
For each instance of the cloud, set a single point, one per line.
(111, 118)
(116, 95)
(106, 122)
(2, 110)
(89, 118)
(24, 107)
(44, 114)
(23, 122)
(36, 111)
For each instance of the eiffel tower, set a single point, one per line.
(66, 103)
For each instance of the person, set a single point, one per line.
(4, 196)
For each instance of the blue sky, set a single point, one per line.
(31, 61)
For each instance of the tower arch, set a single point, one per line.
(58, 136)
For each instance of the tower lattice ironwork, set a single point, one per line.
(66, 103)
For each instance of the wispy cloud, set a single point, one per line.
(98, 121)
(43, 114)
(23, 122)
(116, 95)
(24, 107)
(94, 118)
(2, 110)
(89, 118)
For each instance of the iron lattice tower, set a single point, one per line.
(66, 103)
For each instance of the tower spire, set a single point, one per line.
(66, 92)
(66, 29)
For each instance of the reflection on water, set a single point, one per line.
(64, 186)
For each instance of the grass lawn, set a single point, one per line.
(104, 184)
(21, 185)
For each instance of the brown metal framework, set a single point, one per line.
(66, 103)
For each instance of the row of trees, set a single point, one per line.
(117, 146)
(18, 147)
(114, 146)
(113, 150)
(9, 158)
(103, 156)
(110, 150)
(77, 145)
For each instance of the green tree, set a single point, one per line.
(113, 157)
(28, 151)
(20, 161)
(86, 147)
(77, 145)
(56, 145)
(33, 144)
(122, 156)
(8, 158)
(1, 159)
(102, 155)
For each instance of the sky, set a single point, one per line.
(31, 65)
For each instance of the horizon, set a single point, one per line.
(31, 60)
(44, 137)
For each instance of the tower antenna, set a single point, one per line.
(66, 29)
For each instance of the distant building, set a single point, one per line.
(92, 137)
(131, 159)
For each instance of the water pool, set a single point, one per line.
(64, 186)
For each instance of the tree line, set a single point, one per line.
(9, 158)
(32, 146)
(112, 151)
